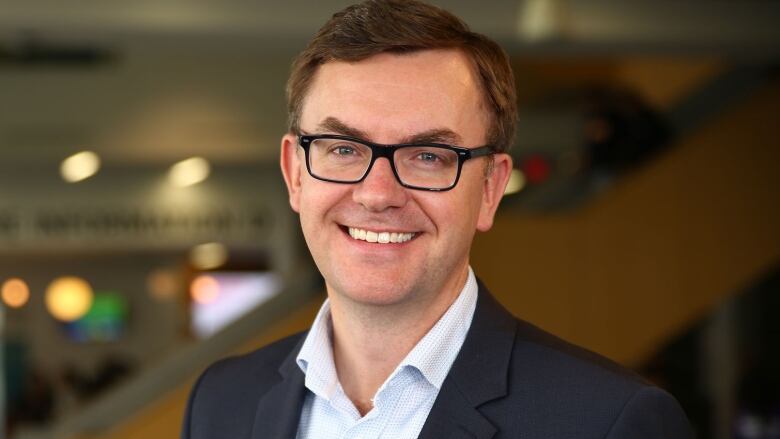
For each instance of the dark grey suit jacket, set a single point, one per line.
(510, 380)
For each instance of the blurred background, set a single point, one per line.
(145, 230)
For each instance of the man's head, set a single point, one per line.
(409, 93)
(402, 26)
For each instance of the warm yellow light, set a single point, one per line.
(204, 289)
(189, 172)
(208, 256)
(163, 284)
(68, 298)
(15, 293)
(516, 182)
(540, 19)
(80, 166)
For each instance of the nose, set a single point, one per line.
(380, 189)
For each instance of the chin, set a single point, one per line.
(384, 293)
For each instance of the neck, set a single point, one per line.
(370, 341)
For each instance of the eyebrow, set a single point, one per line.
(332, 124)
(435, 135)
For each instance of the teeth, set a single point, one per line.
(379, 237)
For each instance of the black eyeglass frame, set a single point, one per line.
(381, 150)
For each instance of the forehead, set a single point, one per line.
(396, 95)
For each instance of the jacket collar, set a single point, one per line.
(279, 410)
(478, 375)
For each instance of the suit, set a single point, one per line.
(510, 380)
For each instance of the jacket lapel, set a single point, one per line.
(478, 375)
(279, 410)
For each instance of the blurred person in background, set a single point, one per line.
(399, 122)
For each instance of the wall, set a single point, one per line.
(658, 250)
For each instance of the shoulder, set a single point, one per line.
(256, 368)
(226, 394)
(534, 348)
(564, 390)
(532, 351)
(588, 389)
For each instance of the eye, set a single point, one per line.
(343, 150)
(434, 157)
(428, 156)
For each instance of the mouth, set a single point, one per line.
(379, 236)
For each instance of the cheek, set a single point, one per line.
(466, 206)
(312, 215)
(310, 204)
(452, 212)
(317, 199)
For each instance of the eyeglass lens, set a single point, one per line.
(347, 161)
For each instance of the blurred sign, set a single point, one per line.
(131, 226)
(137, 207)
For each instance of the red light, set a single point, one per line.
(536, 169)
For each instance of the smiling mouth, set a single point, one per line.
(380, 237)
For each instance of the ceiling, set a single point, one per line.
(515, 22)
(202, 77)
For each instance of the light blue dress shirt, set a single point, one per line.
(402, 403)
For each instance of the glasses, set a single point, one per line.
(422, 166)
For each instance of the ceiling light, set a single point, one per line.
(540, 20)
(204, 289)
(208, 256)
(15, 293)
(80, 166)
(189, 172)
(69, 298)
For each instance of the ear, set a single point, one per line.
(493, 190)
(291, 169)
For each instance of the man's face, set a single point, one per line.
(423, 96)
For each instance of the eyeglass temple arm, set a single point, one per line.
(481, 151)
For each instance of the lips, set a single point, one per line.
(380, 237)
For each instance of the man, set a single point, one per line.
(409, 344)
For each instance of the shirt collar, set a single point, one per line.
(436, 351)
(433, 355)
(316, 356)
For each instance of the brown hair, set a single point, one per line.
(399, 26)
